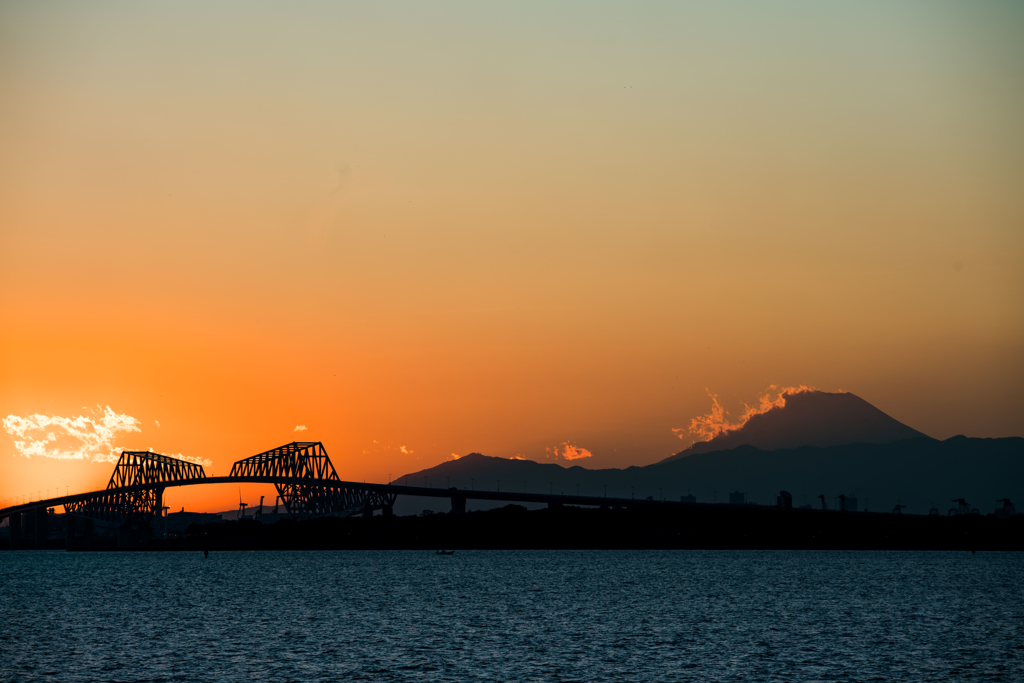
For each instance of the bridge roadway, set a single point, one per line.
(457, 496)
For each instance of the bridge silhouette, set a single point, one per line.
(302, 472)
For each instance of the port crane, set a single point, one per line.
(241, 506)
(962, 508)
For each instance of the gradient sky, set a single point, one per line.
(457, 227)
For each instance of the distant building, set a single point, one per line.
(688, 499)
(784, 500)
(847, 503)
(737, 498)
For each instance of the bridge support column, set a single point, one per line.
(458, 505)
(85, 542)
(129, 538)
(16, 531)
(78, 533)
(42, 528)
(158, 514)
(69, 532)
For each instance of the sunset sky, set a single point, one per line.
(534, 229)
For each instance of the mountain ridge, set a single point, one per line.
(915, 472)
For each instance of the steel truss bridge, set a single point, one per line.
(302, 472)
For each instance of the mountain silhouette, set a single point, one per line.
(818, 443)
(810, 418)
(916, 472)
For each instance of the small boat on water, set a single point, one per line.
(445, 552)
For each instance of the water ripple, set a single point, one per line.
(511, 616)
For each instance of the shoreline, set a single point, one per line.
(570, 528)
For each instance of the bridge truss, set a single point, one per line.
(136, 488)
(302, 472)
(320, 492)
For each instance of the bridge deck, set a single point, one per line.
(508, 496)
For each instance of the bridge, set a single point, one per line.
(301, 471)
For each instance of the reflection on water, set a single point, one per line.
(511, 616)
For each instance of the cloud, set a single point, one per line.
(70, 438)
(517, 457)
(570, 452)
(300, 428)
(157, 422)
(77, 438)
(710, 425)
(454, 456)
(408, 451)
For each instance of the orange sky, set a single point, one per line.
(455, 228)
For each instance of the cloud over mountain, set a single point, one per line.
(801, 417)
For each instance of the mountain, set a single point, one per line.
(809, 418)
(811, 443)
(915, 472)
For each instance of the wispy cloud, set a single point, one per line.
(157, 422)
(70, 438)
(77, 438)
(300, 428)
(388, 449)
(569, 451)
(710, 425)
(454, 456)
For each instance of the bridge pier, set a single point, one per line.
(129, 538)
(42, 528)
(16, 531)
(78, 533)
(87, 531)
(69, 532)
(458, 505)
(158, 512)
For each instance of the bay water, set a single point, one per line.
(511, 616)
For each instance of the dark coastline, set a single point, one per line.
(643, 527)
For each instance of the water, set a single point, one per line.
(511, 616)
